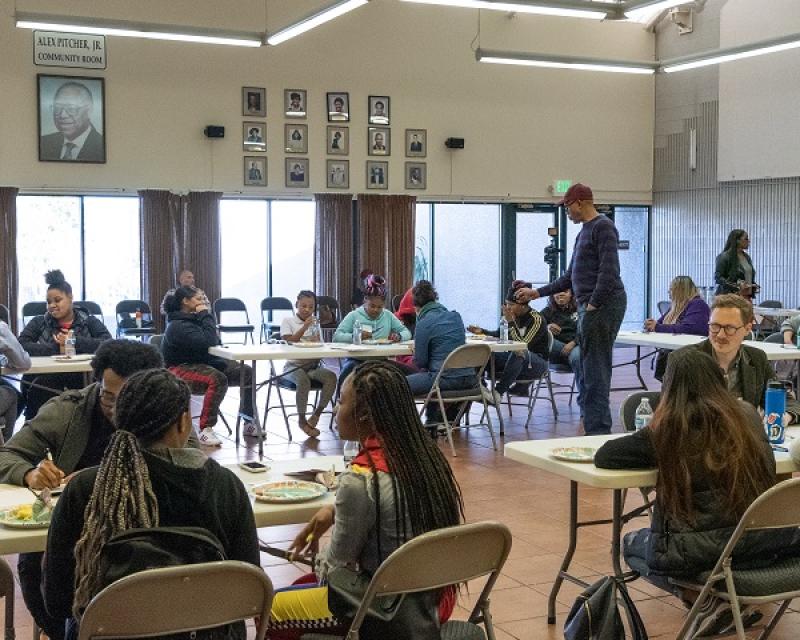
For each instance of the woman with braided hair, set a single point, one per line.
(398, 487)
(147, 478)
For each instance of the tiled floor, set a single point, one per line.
(532, 503)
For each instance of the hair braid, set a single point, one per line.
(423, 482)
(149, 404)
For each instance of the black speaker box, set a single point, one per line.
(214, 131)
(454, 143)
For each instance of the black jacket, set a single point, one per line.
(188, 337)
(728, 272)
(567, 320)
(679, 549)
(37, 336)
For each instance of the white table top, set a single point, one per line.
(334, 350)
(536, 453)
(774, 351)
(46, 364)
(266, 515)
(776, 313)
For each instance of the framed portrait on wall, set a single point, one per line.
(377, 174)
(294, 101)
(295, 138)
(72, 125)
(254, 136)
(378, 109)
(297, 172)
(379, 141)
(338, 140)
(416, 175)
(416, 143)
(338, 174)
(338, 106)
(255, 171)
(254, 102)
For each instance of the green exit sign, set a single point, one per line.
(561, 186)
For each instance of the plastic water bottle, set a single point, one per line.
(314, 331)
(503, 330)
(69, 344)
(350, 451)
(138, 318)
(644, 414)
(357, 332)
(774, 408)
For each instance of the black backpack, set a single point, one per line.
(595, 614)
(140, 549)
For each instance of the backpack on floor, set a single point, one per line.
(595, 614)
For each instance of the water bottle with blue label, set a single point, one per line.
(774, 408)
(644, 414)
(357, 328)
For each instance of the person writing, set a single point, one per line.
(398, 487)
(594, 277)
(147, 478)
(713, 460)
(733, 268)
(303, 372)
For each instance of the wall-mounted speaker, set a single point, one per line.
(454, 143)
(214, 131)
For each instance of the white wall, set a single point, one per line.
(523, 127)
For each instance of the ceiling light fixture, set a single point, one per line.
(565, 62)
(719, 56)
(598, 10)
(638, 10)
(73, 24)
(321, 17)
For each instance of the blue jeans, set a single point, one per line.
(515, 364)
(422, 382)
(635, 545)
(573, 359)
(597, 331)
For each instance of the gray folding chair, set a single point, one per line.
(663, 306)
(7, 592)
(439, 559)
(533, 390)
(467, 356)
(776, 508)
(164, 601)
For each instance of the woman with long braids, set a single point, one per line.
(398, 487)
(146, 479)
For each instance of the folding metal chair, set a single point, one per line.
(233, 305)
(534, 386)
(268, 305)
(279, 382)
(126, 319)
(31, 309)
(164, 601)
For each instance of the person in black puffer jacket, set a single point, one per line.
(713, 460)
(191, 330)
(45, 336)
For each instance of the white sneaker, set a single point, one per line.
(209, 438)
(250, 429)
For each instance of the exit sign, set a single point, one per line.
(560, 187)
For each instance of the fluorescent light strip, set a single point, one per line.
(581, 66)
(518, 7)
(652, 8)
(326, 15)
(136, 33)
(706, 62)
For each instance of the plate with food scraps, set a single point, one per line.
(21, 517)
(307, 345)
(81, 357)
(574, 454)
(285, 491)
(376, 341)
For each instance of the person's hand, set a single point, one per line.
(524, 294)
(394, 336)
(554, 328)
(200, 307)
(366, 335)
(46, 474)
(308, 321)
(307, 541)
(61, 338)
(650, 324)
(473, 328)
(568, 348)
(591, 307)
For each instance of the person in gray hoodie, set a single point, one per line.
(13, 359)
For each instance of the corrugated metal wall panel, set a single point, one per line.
(693, 214)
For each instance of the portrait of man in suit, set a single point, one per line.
(75, 111)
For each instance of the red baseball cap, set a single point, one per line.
(577, 191)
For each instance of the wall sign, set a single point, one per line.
(73, 50)
(624, 245)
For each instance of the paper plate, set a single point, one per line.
(377, 341)
(574, 454)
(78, 358)
(307, 345)
(288, 491)
(8, 518)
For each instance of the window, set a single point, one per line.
(531, 240)
(292, 244)
(93, 240)
(466, 259)
(423, 269)
(632, 224)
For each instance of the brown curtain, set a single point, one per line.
(334, 270)
(201, 249)
(161, 216)
(8, 252)
(386, 238)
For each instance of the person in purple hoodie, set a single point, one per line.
(688, 313)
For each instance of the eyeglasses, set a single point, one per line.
(70, 110)
(729, 329)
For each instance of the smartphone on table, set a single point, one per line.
(254, 467)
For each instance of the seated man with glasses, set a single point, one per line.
(69, 433)
(747, 370)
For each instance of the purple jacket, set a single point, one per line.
(693, 320)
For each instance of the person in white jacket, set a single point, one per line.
(13, 359)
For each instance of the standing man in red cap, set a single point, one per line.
(593, 276)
